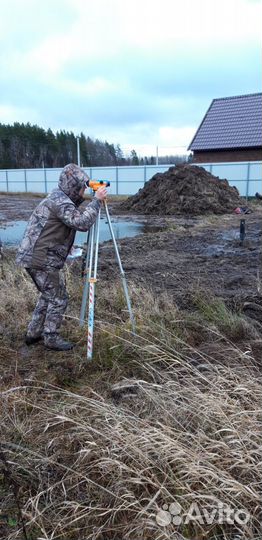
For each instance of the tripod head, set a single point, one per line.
(96, 184)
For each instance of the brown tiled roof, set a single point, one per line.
(231, 122)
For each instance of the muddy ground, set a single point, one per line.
(184, 254)
(197, 253)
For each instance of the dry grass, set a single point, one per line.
(89, 464)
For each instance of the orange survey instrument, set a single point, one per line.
(96, 184)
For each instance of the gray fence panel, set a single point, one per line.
(16, 180)
(245, 176)
(130, 179)
(234, 171)
(255, 178)
(254, 187)
(151, 170)
(35, 179)
(127, 180)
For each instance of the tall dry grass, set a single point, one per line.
(92, 463)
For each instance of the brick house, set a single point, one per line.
(231, 130)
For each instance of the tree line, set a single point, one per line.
(25, 146)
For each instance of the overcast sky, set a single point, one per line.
(139, 73)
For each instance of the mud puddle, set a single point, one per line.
(229, 241)
(12, 232)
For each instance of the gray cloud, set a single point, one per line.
(24, 24)
(147, 87)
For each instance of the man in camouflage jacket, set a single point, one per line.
(47, 241)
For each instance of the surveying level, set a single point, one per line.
(96, 184)
(90, 272)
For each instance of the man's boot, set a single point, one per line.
(56, 343)
(32, 340)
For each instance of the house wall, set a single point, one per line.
(214, 156)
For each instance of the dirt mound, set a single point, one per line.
(184, 189)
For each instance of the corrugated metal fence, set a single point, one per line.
(127, 180)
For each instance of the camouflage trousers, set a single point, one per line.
(48, 313)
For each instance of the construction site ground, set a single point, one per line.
(180, 254)
(171, 408)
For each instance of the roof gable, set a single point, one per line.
(232, 122)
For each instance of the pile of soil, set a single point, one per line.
(184, 189)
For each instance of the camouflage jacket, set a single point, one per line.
(52, 226)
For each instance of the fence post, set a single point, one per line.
(248, 177)
(25, 181)
(45, 180)
(117, 191)
(78, 151)
(6, 177)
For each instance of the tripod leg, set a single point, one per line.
(88, 270)
(132, 319)
(86, 286)
(89, 263)
(92, 282)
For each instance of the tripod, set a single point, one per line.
(91, 279)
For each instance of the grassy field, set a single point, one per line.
(169, 416)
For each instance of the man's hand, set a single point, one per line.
(101, 194)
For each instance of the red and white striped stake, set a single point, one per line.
(92, 282)
(91, 314)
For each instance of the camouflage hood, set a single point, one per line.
(71, 180)
(51, 229)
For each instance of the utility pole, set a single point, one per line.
(157, 155)
(78, 150)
